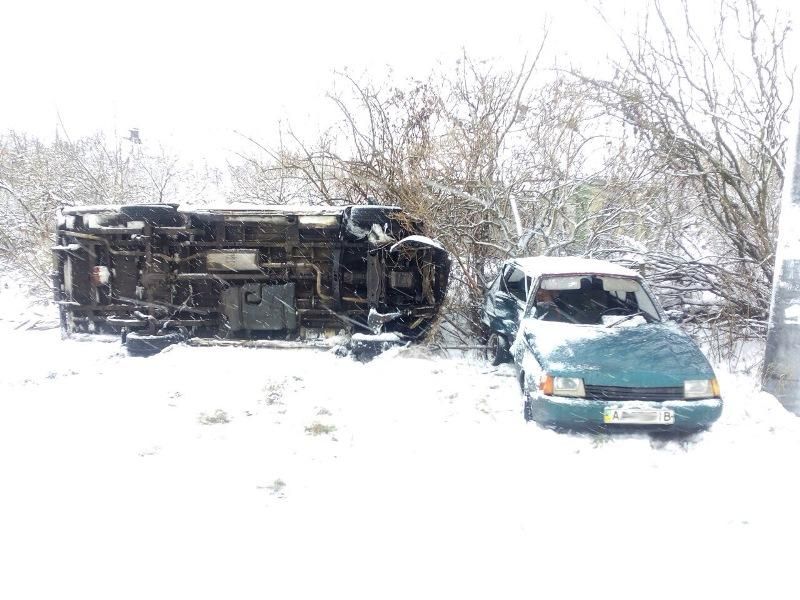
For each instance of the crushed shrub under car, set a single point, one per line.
(593, 349)
(158, 274)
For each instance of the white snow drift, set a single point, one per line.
(228, 472)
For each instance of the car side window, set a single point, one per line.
(516, 283)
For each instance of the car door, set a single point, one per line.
(527, 321)
(505, 304)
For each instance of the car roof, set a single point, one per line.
(570, 265)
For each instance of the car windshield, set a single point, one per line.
(592, 300)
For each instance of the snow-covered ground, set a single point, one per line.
(229, 472)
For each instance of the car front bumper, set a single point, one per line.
(580, 413)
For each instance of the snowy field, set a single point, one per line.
(251, 473)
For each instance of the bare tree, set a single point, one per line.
(672, 165)
(36, 177)
(495, 166)
(707, 111)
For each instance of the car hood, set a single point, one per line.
(647, 355)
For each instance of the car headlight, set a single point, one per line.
(562, 386)
(696, 389)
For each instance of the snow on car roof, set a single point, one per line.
(93, 208)
(571, 265)
(245, 209)
(261, 209)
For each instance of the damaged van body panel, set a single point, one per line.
(274, 272)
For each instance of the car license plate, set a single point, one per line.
(638, 416)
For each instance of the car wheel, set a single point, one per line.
(527, 410)
(497, 349)
(140, 344)
(364, 347)
(527, 407)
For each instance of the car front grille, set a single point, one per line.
(651, 394)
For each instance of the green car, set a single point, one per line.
(593, 349)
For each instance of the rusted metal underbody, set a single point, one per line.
(276, 272)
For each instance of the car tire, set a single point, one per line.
(527, 410)
(141, 344)
(527, 406)
(365, 348)
(497, 349)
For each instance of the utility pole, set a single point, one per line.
(781, 373)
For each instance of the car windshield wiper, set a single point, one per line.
(627, 318)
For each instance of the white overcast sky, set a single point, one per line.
(189, 74)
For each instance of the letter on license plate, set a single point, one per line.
(638, 416)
